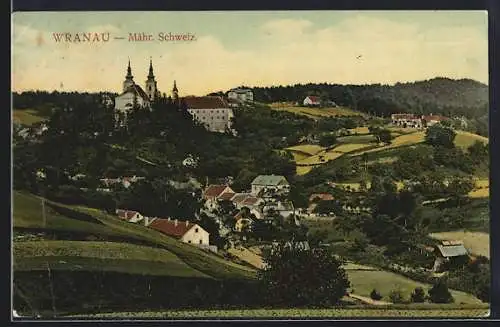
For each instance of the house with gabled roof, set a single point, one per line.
(312, 100)
(129, 215)
(213, 112)
(185, 231)
(273, 183)
(448, 252)
(215, 193)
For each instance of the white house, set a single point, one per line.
(431, 119)
(407, 120)
(312, 100)
(185, 231)
(211, 111)
(129, 215)
(240, 95)
(275, 183)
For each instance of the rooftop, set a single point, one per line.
(173, 228)
(207, 102)
(452, 250)
(272, 180)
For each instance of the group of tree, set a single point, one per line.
(443, 96)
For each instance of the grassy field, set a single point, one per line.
(466, 139)
(476, 242)
(316, 159)
(481, 189)
(26, 206)
(307, 149)
(403, 140)
(100, 256)
(430, 311)
(302, 170)
(364, 281)
(316, 112)
(26, 116)
(28, 213)
(345, 148)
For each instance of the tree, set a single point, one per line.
(327, 140)
(297, 277)
(396, 296)
(438, 135)
(439, 293)
(418, 295)
(478, 151)
(375, 295)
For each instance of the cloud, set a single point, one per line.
(359, 49)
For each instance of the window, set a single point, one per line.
(201, 242)
(189, 241)
(196, 230)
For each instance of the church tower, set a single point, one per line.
(129, 79)
(151, 87)
(175, 93)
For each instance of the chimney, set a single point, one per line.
(168, 218)
(176, 223)
(187, 223)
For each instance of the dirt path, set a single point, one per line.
(247, 256)
(367, 300)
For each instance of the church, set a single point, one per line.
(213, 112)
(134, 93)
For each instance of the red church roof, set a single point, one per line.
(171, 227)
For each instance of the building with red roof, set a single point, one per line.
(213, 112)
(312, 100)
(185, 231)
(129, 215)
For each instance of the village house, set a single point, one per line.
(449, 252)
(215, 193)
(315, 198)
(407, 120)
(184, 231)
(276, 183)
(240, 95)
(312, 101)
(431, 119)
(284, 209)
(125, 181)
(416, 121)
(211, 111)
(242, 222)
(129, 215)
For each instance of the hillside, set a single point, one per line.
(443, 96)
(438, 95)
(66, 222)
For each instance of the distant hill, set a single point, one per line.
(450, 97)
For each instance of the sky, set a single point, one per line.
(253, 48)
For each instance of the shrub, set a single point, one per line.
(418, 295)
(375, 295)
(439, 293)
(396, 296)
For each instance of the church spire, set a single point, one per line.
(175, 92)
(129, 71)
(151, 74)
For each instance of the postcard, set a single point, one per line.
(250, 165)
